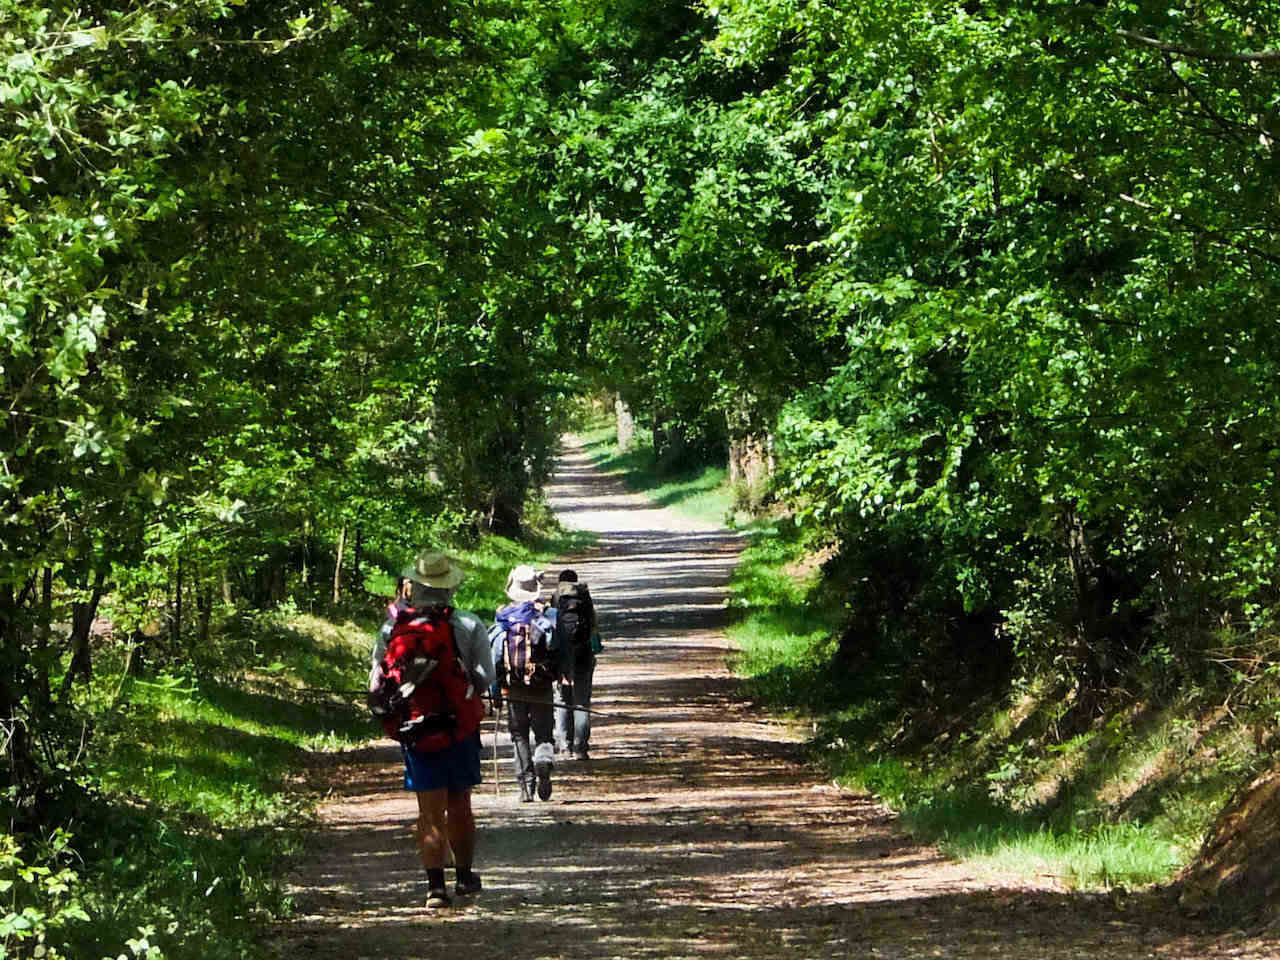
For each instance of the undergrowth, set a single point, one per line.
(1002, 781)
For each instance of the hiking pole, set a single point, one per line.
(353, 694)
(591, 710)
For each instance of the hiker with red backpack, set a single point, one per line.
(431, 665)
(529, 663)
(576, 629)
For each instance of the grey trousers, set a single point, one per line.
(573, 726)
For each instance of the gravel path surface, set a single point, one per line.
(695, 830)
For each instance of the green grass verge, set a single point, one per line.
(1124, 805)
(701, 493)
(784, 642)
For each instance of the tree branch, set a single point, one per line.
(1222, 123)
(1262, 56)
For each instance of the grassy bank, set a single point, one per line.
(701, 493)
(1123, 802)
(194, 783)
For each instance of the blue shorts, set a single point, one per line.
(453, 768)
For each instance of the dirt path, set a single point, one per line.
(694, 831)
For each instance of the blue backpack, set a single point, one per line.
(525, 645)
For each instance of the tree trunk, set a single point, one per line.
(226, 586)
(669, 444)
(357, 577)
(23, 774)
(175, 628)
(204, 604)
(44, 630)
(306, 553)
(750, 466)
(626, 424)
(82, 617)
(137, 664)
(337, 566)
(1093, 654)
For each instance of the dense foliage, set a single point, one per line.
(998, 282)
(286, 289)
(249, 316)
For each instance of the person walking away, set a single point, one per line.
(577, 632)
(529, 669)
(427, 646)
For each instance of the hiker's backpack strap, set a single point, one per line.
(438, 704)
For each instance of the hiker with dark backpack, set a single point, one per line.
(576, 632)
(431, 666)
(530, 665)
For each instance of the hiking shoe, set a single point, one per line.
(581, 754)
(468, 887)
(438, 898)
(544, 780)
(526, 792)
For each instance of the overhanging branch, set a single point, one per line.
(1268, 57)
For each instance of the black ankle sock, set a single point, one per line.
(465, 874)
(435, 878)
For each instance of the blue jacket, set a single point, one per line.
(545, 619)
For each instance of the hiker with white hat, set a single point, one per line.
(442, 777)
(528, 665)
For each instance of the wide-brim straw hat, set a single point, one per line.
(433, 569)
(523, 584)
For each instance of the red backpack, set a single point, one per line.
(425, 699)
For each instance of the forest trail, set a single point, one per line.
(694, 831)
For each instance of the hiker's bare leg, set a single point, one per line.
(432, 808)
(462, 828)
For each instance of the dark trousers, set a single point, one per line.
(573, 726)
(529, 711)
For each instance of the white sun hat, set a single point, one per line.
(523, 584)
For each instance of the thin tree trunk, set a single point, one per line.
(44, 631)
(306, 553)
(626, 424)
(137, 662)
(356, 576)
(17, 744)
(337, 566)
(176, 633)
(82, 617)
(204, 604)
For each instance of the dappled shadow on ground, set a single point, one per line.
(694, 831)
(737, 859)
(683, 922)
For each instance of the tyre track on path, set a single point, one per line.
(695, 830)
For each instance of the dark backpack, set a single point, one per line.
(573, 619)
(425, 699)
(525, 650)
